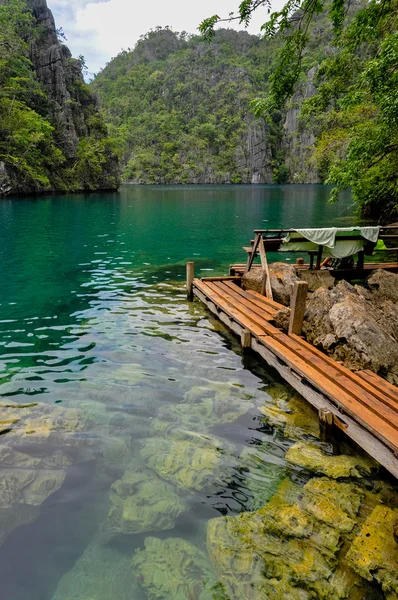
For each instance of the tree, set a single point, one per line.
(356, 105)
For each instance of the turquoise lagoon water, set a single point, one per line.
(130, 416)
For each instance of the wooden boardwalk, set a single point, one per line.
(364, 405)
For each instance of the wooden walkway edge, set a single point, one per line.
(363, 405)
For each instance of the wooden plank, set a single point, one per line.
(272, 303)
(264, 311)
(264, 264)
(222, 278)
(233, 326)
(228, 309)
(365, 383)
(335, 393)
(385, 411)
(297, 307)
(364, 438)
(385, 387)
(264, 327)
(255, 301)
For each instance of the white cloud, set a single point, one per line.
(99, 30)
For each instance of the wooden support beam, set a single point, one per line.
(297, 307)
(190, 278)
(326, 419)
(245, 339)
(264, 264)
(253, 254)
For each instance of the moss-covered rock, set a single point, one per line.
(374, 552)
(173, 569)
(188, 463)
(287, 549)
(310, 456)
(335, 504)
(140, 501)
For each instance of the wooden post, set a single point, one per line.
(190, 278)
(361, 260)
(326, 419)
(246, 339)
(297, 307)
(319, 258)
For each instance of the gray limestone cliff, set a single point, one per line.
(298, 141)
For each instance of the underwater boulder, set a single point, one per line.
(310, 456)
(287, 410)
(173, 569)
(187, 463)
(140, 501)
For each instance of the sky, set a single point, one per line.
(100, 29)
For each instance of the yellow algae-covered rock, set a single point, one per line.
(310, 456)
(188, 463)
(285, 551)
(173, 569)
(333, 503)
(289, 411)
(285, 516)
(140, 501)
(374, 552)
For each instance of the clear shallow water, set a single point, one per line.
(140, 395)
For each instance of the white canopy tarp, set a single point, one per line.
(326, 237)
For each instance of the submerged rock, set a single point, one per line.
(203, 407)
(286, 549)
(289, 411)
(374, 552)
(173, 569)
(187, 463)
(140, 501)
(39, 444)
(100, 573)
(310, 456)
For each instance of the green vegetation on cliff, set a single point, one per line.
(52, 136)
(180, 108)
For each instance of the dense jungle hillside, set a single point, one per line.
(179, 108)
(52, 135)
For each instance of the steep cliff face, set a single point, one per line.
(298, 141)
(84, 157)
